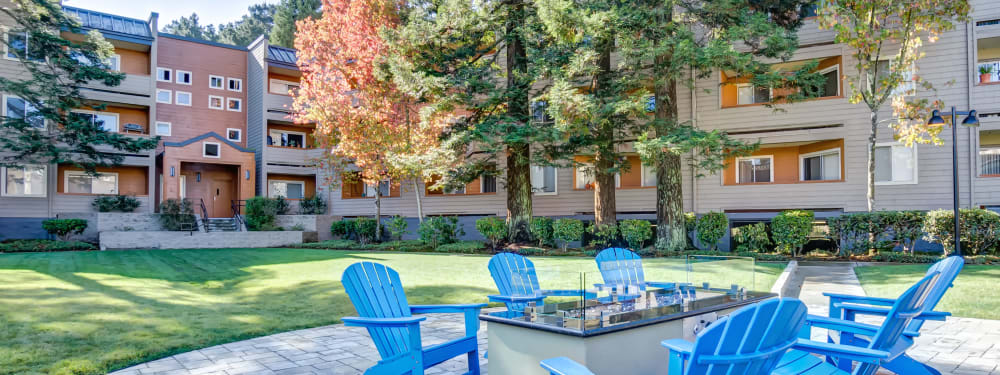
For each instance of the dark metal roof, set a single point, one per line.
(281, 55)
(110, 23)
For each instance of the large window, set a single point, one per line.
(747, 93)
(648, 175)
(287, 189)
(895, 164)
(820, 166)
(286, 139)
(488, 184)
(19, 45)
(27, 181)
(831, 83)
(17, 108)
(754, 169)
(79, 182)
(543, 180)
(105, 120)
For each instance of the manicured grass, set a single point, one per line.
(974, 295)
(91, 312)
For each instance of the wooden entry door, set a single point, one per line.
(222, 196)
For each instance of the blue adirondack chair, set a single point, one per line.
(517, 282)
(879, 349)
(623, 267)
(751, 340)
(848, 307)
(377, 295)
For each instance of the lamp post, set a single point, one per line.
(971, 121)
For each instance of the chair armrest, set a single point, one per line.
(853, 353)
(564, 366)
(933, 315)
(514, 299)
(681, 346)
(354, 321)
(663, 284)
(568, 293)
(840, 325)
(426, 309)
(834, 297)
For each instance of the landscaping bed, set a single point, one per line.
(22, 246)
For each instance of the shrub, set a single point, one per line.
(343, 228)
(177, 214)
(604, 235)
(566, 231)
(297, 227)
(461, 247)
(64, 228)
(365, 229)
(752, 237)
(440, 230)
(791, 229)
(108, 203)
(897, 257)
(281, 205)
(711, 227)
(397, 227)
(329, 244)
(314, 205)
(690, 226)
(541, 230)
(979, 227)
(493, 228)
(261, 212)
(17, 246)
(882, 230)
(635, 232)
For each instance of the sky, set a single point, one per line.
(209, 11)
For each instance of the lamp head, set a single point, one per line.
(971, 120)
(936, 118)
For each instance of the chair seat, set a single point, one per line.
(800, 362)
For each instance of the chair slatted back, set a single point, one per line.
(621, 267)
(949, 268)
(751, 340)
(910, 304)
(376, 292)
(514, 276)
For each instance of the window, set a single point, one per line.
(287, 189)
(543, 180)
(820, 166)
(215, 82)
(233, 134)
(989, 152)
(458, 190)
(650, 103)
(895, 164)
(539, 112)
(585, 177)
(162, 128)
(163, 96)
(27, 181)
(383, 189)
(648, 175)
(79, 182)
(907, 86)
(164, 75)
(183, 98)
(19, 45)
(214, 102)
(282, 87)
(754, 169)
(105, 120)
(17, 108)
(114, 63)
(184, 77)
(488, 184)
(210, 150)
(286, 139)
(235, 84)
(234, 104)
(747, 93)
(831, 83)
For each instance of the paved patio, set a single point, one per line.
(958, 346)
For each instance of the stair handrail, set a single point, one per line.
(236, 204)
(204, 214)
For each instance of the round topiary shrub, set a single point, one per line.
(635, 232)
(791, 230)
(64, 228)
(566, 231)
(711, 227)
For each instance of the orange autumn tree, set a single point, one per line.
(362, 120)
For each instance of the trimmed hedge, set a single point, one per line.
(64, 228)
(711, 227)
(566, 231)
(462, 247)
(18, 246)
(980, 230)
(882, 230)
(260, 213)
(122, 203)
(790, 230)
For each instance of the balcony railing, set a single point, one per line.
(989, 161)
(994, 76)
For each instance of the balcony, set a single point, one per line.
(278, 107)
(134, 89)
(986, 90)
(292, 156)
(989, 161)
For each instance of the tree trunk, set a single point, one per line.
(604, 191)
(378, 213)
(518, 153)
(872, 137)
(671, 231)
(604, 157)
(420, 207)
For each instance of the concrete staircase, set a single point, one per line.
(226, 224)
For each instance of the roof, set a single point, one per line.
(201, 41)
(281, 55)
(110, 23)
(206, 136)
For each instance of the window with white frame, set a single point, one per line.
(543, 179)
(648, 175)
(895, 164)
(210, 150)
(19, 45)
(164, 75)
(282, 87)
(184, 77)
(17, 108)
(234, 104)
(216, 82)
(80, 182)
(183, 98)
(287, 189)
(585, 177)
(105, 120)
(820, 166)
(748, 93)
(26, 181)
(907, 85)
(164, 96)
(234, 134)
(215, 102)
(754, 169)
(384, 189)
(162, 128)
(286, 138)
(234, 84)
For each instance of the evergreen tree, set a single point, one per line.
(286, 15)
(39, 127)
(257, 22)
(191, 27)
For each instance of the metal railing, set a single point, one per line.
(989, 161)
(204, 214)
(237, 205)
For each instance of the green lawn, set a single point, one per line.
(91, 312)
(975, 293)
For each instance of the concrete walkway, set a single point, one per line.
(956, 346)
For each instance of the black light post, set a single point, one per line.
(971, 121)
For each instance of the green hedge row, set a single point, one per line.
(17, 246)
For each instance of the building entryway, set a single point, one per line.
(215, 184)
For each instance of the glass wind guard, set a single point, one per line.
(721, 272)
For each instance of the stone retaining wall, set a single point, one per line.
(197, 240)
(128, 222)
(308, 222)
